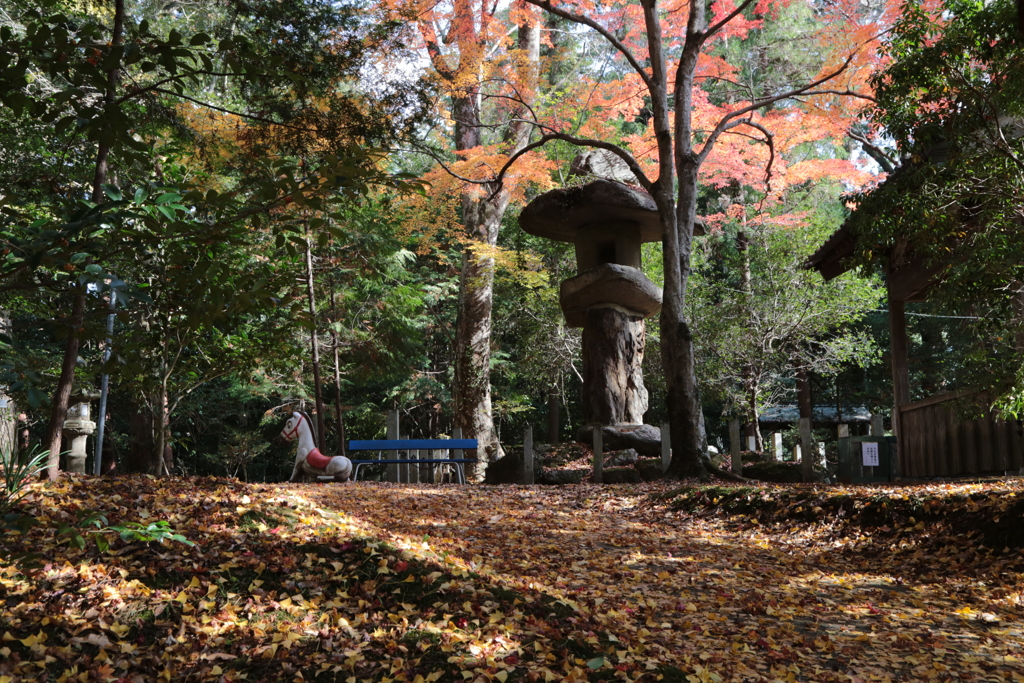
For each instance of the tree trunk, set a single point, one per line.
(753, 416)
(749, 378)
(161, 426)
(62, 394)
(314, 346)
(677, 353)
(803, 393)
(141, 452)
(471, 390)
(337, 371)
(806, 404)
(482, 211)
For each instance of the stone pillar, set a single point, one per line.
(77, 428)
(807, 447)
(877, 425)
(666, 447)
(777, 452)
(613, 354)
(8, 428)
(735, 446)
(527, 477)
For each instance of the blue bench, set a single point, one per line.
(456, 445)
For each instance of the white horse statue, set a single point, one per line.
(309, 461)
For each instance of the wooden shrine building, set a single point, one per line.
(932, 440)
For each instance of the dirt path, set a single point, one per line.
(716, 601)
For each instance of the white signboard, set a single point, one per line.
(870, 452)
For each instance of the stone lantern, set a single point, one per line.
(77, 428)
(610, 297)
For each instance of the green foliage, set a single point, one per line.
(231, 135)
(953, 100)
(159, 531)
(754, 340)
(150, 532)
(17, 475)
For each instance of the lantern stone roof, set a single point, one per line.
(625, 287)
(560, 213)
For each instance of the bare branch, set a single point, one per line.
(449, 171)
(846, 93)
(806, 90)
(251, 117)
(725, 20)
(769, 140)
(587, 21)
(876, 152)
(155, 86)
(579, 142)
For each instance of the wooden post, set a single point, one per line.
(598, 455)
(456, 453)
(554, 415)
(900, 373)
(666, 447)
(392, 433)
(877, 425)
(797, 453)
(527, 478)
(414, 469)
(807, 448)
(751, 443)
(843, 431)
(735, 447)
(898, 348)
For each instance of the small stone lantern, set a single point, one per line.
(77, 428)
(607, 221)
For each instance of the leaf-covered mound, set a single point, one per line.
(374, 582)
(988, 514)
(271, 591)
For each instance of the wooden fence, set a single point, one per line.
(934, 442)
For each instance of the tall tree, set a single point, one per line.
(460, 41)
(668, 61)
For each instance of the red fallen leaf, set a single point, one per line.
(512, 659)
(401, 566)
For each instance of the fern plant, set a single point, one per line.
(17, 473)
